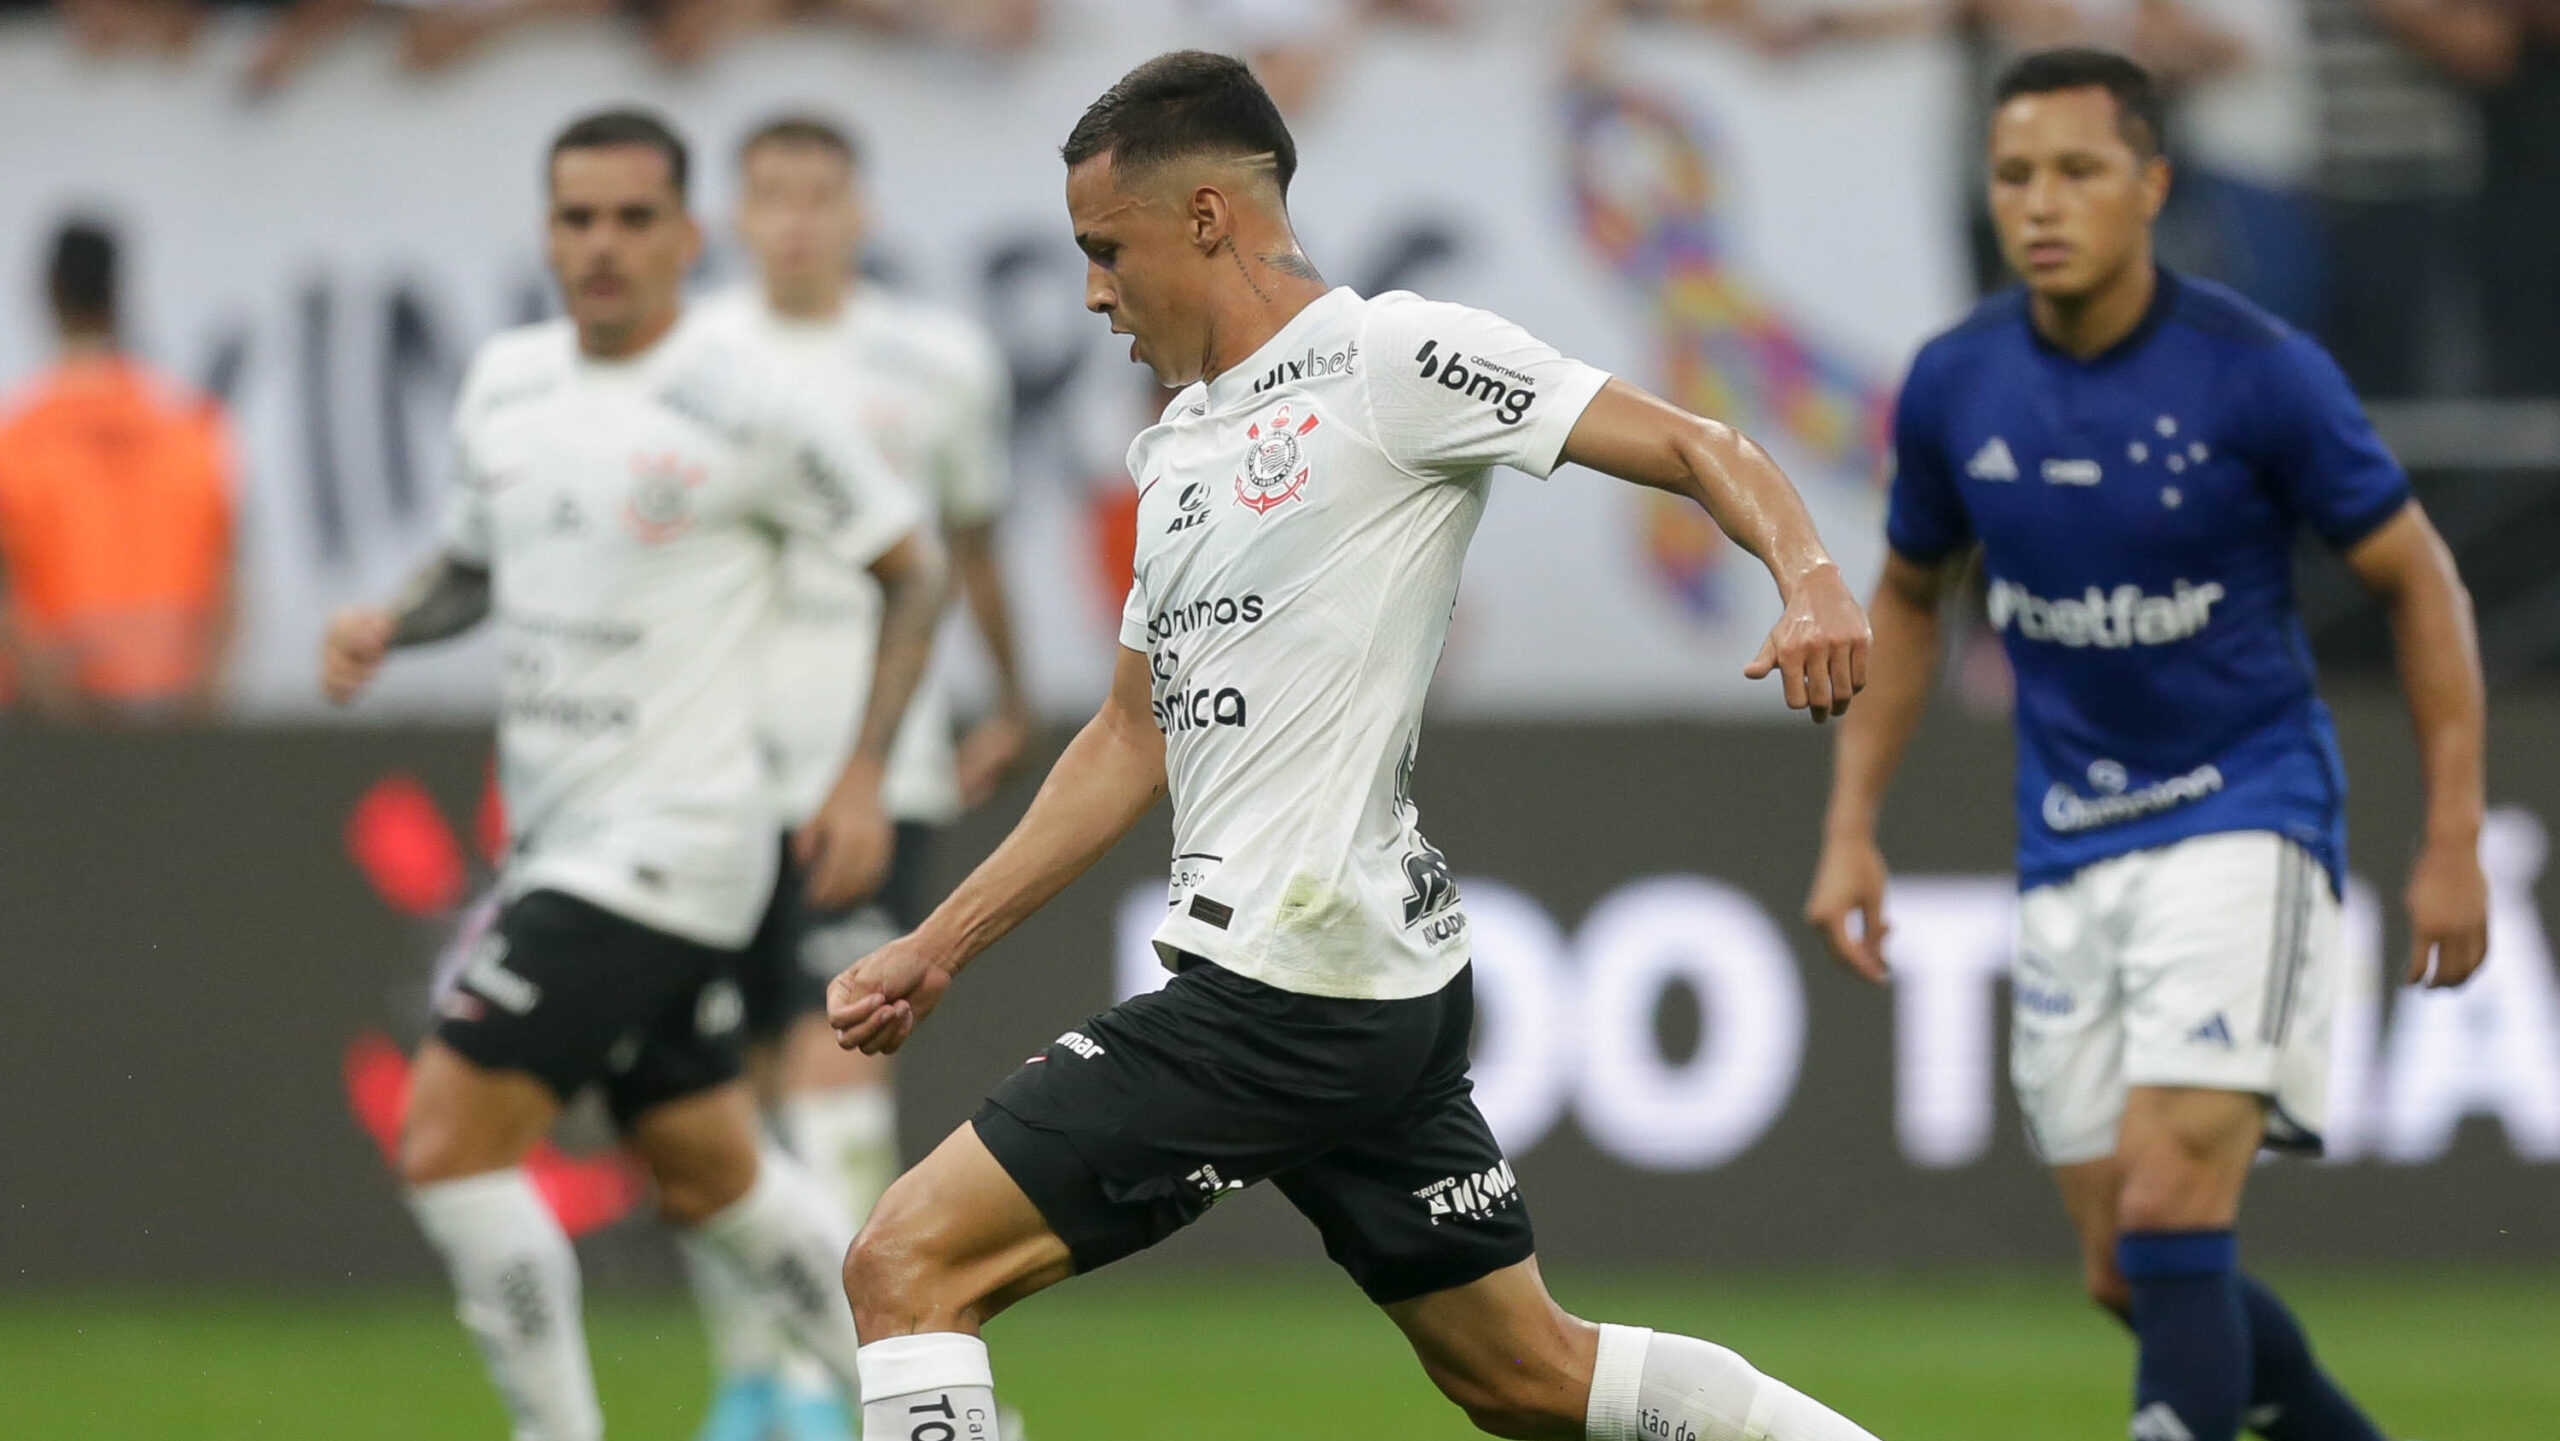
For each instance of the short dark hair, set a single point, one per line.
(81, 278)
(803, 128)
(1180, 104)
(607, 129)
(2140, 117)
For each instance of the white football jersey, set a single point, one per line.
(930, 390)
(1301, 524)
(632, 515)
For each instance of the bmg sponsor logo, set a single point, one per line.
(1508, 391)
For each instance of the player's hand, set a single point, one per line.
(1849, 881)
(845, 846)
(1818, 648)
(880, 1000)
(352, 651)
(989, 752)
(2448, 915)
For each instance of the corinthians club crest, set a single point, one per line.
(1275, 466)
(660, 507)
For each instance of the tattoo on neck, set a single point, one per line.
(1242, 269)
(1290, 262)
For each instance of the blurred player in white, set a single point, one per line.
(1304, 509)
(929, 389)
(625, 482)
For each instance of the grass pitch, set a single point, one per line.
(1266, 1357)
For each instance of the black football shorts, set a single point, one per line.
(1134, 1124)
(798, 948)
(576, 996)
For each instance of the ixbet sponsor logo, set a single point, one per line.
(1310, 366)
(1508, 391)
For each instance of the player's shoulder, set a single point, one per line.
(2219, 315)
(517, 364)
(1996, 323)
(736, 309)
(935, 338)
(1403, 313)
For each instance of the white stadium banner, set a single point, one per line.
(1764, 241)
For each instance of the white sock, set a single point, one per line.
(1648, 1386)
(934, 1387)
(747, 1339)
(848, 1138)
(517, 1280)
(787, 1242)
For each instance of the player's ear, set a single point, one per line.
(2156, 178)
(1208, 218)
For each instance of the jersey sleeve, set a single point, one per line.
(972, 460)
(468, 536)
(2321, 452)
(1133, 617)
(1925, 518)
(1452, 390)
(826, 484)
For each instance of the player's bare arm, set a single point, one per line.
(446, 598)
(994, 745)
(1849, 879)
(846, 844)
(2406, 566)
(1819, 646)
(1111, 774)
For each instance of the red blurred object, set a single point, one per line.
(405, 848)
(489, 827)
(586, 1193)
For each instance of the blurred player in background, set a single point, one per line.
(929, 389)
(115, 519)
(626, 481)
(2133, 453)
(1306, 503)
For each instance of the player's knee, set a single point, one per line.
(1502, 1402)
(893, 1275)
(695, 1195)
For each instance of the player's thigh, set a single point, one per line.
(465, 1120)
(700, 1148)
(1500, 1347)
(2186, 1153)
(2230, 967)
(2066, 1034)
(954, 1241)
(1131, 1126)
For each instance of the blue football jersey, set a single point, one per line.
(2137, 514)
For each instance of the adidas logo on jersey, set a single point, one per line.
(1993, 462)
(2215, 1032)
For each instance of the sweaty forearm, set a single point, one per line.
(911, 607)
(1752, 501)
(446, 599)
(1874, 734)
(1109, 776)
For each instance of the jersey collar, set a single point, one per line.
(1237, 381)
(2164, 298)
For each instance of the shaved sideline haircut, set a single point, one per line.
(613, 129)
(801, 128)
(2141, 117)
(1182, 104)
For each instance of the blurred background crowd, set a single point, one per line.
(2383, 173)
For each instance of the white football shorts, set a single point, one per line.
(2210, 963)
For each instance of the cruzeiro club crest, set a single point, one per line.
(1275, 467)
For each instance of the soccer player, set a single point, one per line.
(624, 483)
(929, 389)
(1305, 505)
(2133, 452)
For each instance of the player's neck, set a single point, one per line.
(1264, 297)
(626, 343)
(820, 299)
(2088, 326)
(82, 346)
